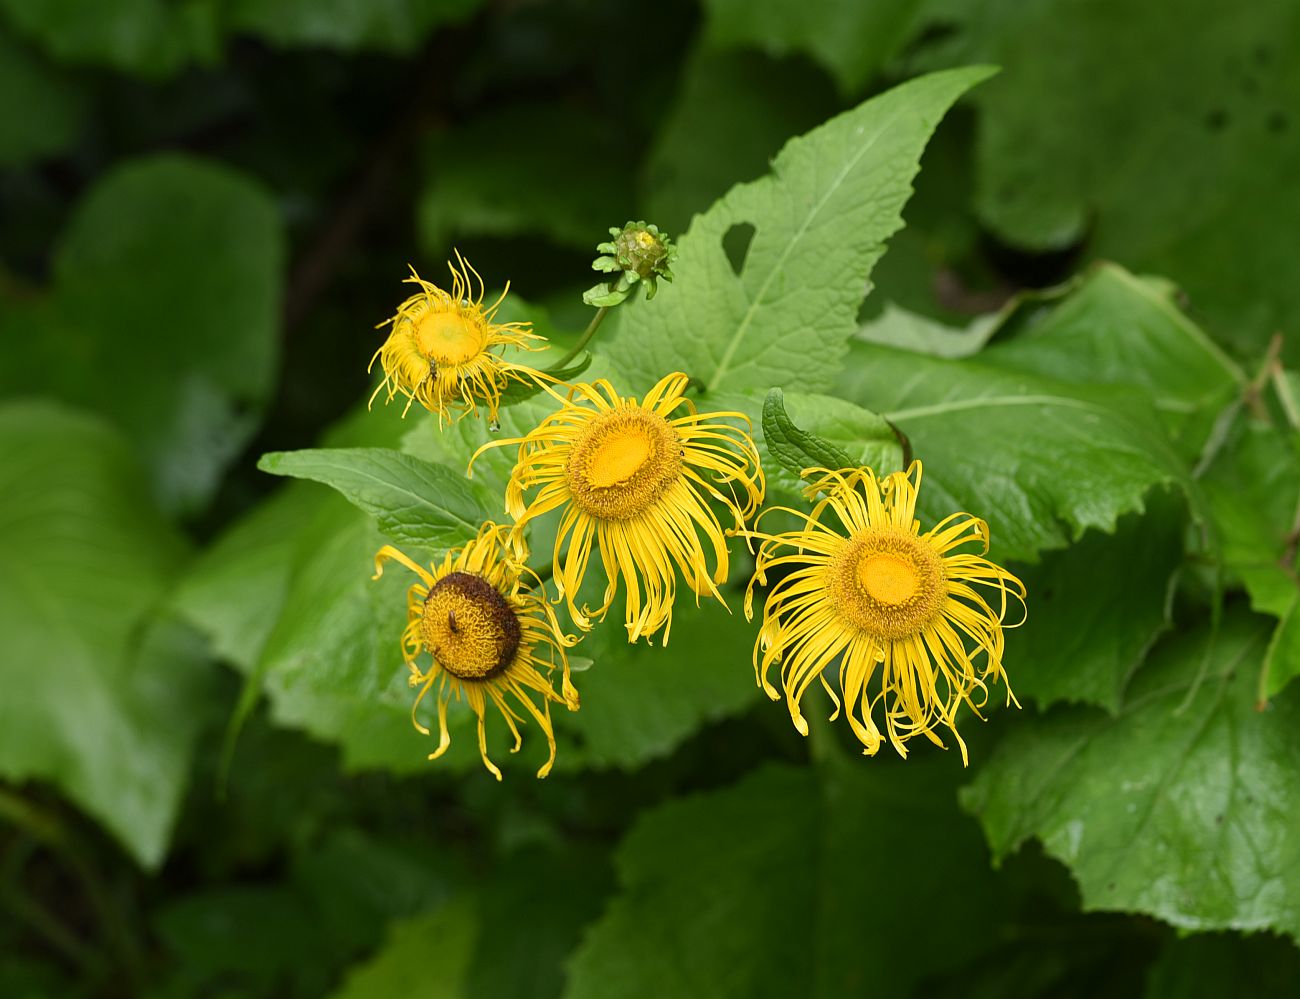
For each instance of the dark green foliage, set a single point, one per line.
(1055, 284)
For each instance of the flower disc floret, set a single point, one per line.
(469, 627)
(622, 463)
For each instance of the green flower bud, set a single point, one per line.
(638, 252)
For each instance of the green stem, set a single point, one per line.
(48, 926)
(47, 829)
(583, 340)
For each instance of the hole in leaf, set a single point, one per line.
(735, 244)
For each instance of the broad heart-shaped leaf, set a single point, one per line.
(1041, 460)
(782, 316)
(150, 38)
(850, 39)
(1185, 806)
(1252, 489)
(183, 361)
(419, 505)
(1097, 607)
(398, 26)
(100, 693)
(27, 83)
(794, 882)
(1199, 95)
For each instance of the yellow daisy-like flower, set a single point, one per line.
(484, 618)
(636, 477)
(897, 611)
(439, 351)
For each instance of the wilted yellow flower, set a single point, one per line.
(484, 618)
(896, 610)
(636, 477)
(439, 350)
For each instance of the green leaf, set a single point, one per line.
(897, 327)
(1041, 460)
(533, 907)
(1097, 607)
(784, 314)
(27, 83)
(150, 38)
(866, 439)
(286, 596)
(640, 703)
(1253, 490)
(1118, 329)
(102, 695)
(797, 449)
(852, 40)
(799, 882)
(733, 113)
(183, 361)
(398, 26)
(1203, 180)
(443, 940)
(419, 505)
(532, 169)
(1218, 964)
(1184, 806)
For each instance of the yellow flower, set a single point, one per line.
(486, 622)
(897, 611)
(439, 350)
(636, 477)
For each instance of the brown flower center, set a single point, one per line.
(888, 582)
(622, 463)
(469, 627)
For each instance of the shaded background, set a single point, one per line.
(205, 208)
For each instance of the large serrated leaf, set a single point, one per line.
(1041, 460)
(1097, 607)
(418, 504)
(1184, 806)
(1252, 490)
(783, 315)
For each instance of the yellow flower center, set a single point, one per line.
(469, 627)
(888, 582)
(888, 578)
(622, 462)
(449, 337)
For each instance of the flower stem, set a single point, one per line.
(46, 828)
(583, 340)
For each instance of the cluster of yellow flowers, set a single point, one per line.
(895, 609)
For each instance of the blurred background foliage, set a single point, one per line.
(206, 206)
